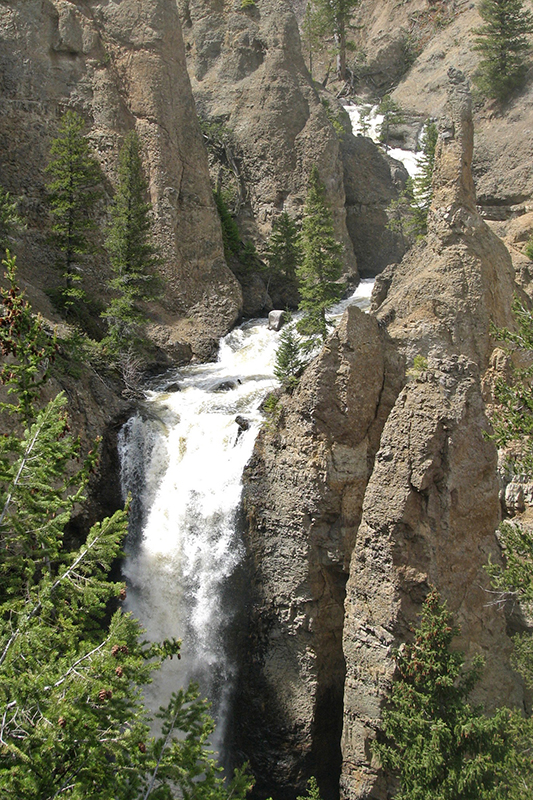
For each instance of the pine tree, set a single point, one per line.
(422, 191)
(72, 664)
(73, 193)
(25, 345)
(433, 740)
(337, 15)
(283, 255)
(504, 44)
(408, 214)
(314, 27)
(131, 251)
(10, 219)
(320, 272)
(289, 363)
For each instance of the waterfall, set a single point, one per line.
(183, 456)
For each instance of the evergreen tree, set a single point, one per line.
(503, 41)
(528, 250)
(422, 190)
(320, 272)
(512, 419)
(433, 740)
(25, 346)
(283, 255)
(73, 193)
(10, 219)
(131, 251)
(72, 668)
(289, 364)
(231, 237)
(392, 115)
(408, 214)
(337, 15)
(314, 28)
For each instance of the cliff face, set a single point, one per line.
(122, 67)
(408, 48)
(304, 493)
(371, 492)
(247, 73)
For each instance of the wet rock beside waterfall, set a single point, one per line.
(276, 320)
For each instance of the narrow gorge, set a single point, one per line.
(289, 548)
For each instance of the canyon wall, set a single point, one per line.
(121, 65)
(373, 482)
(248, 74)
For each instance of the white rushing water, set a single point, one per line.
(370, 128)
(183, 457)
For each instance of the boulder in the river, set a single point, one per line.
(276, 320)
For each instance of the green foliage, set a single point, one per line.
(289, 363)
(422, 190)
(131, 252)
(272, 409)
(513, 420)
(230, 232)
(420, 364)
(335, 16)
(24, 344)
(320, 272)
(364, 123)
(72, 666)
(313, 792)
(528, 250)
(408, 214)
(73, 192)
(334, 118)
(314, 27)
(283, 255)
(392, 115)
(503, 41)
(439, 746)
(247, 4)
(10, 219)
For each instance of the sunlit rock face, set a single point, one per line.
(121, 65)
(248, 74)
(375, 482)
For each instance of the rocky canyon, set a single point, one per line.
(376, 478)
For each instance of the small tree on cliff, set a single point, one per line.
(131, 251)
(422, 189)
(321, 268)
(289, 363)
(73, 193)
(433, 740)
(336, 15)
(504, 43)
(10, 219)
(284, 254)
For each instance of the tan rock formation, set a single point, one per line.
(447, 291)
(122, 66)
(247, 71)
(303, 497)
(431, 506)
